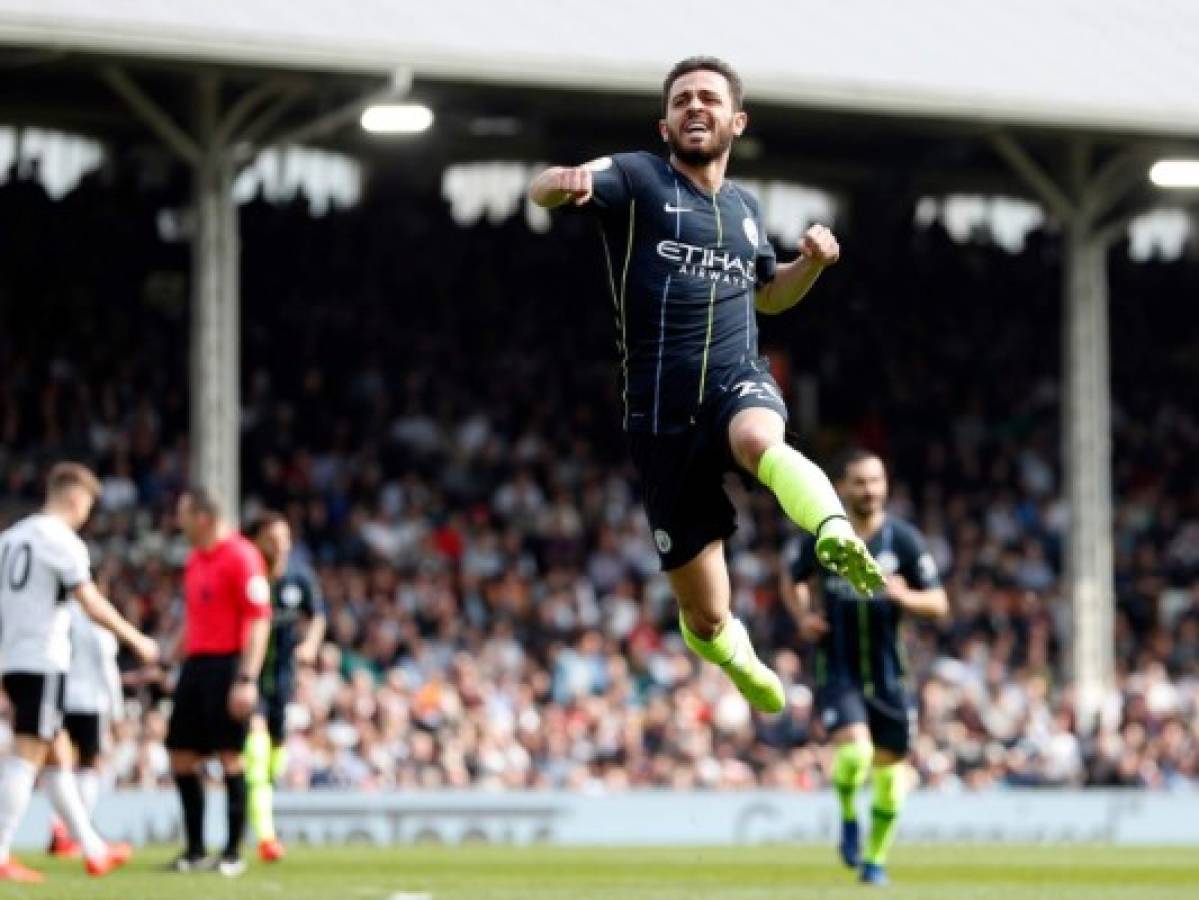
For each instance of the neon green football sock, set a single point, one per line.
(890, 789)
(278, 761)
(732, 651)
(720, 649)
(258, 781)
(850, 767)
(801, 487)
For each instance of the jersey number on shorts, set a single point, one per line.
(757, 389)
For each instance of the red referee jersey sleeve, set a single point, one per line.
(255, 590)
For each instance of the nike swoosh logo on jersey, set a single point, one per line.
(677, 209)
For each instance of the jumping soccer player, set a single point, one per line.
(42, 563)
(689, 263)
(859, 668)
(295, 599)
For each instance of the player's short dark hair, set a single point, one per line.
(704, 64)
(849, 457)
(266, 519)
(66, 475)
(204, 501)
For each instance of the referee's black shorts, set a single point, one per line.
(200, 720)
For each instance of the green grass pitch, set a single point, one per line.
(727, 873)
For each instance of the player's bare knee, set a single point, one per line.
(184, 762)
(704, 620)
(751, 433)
(231, 762)
(884, 758)
(854, 733)
(30, 749)
(702, 616)
(704, 623)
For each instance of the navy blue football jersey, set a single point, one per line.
(862, 645)
(683, 266)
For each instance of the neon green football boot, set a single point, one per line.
(733, 652)
(843, 553)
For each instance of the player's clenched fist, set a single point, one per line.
(559, 185)
(819, 245)
(577, 183)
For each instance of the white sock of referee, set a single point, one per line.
(16, 786)
(64, 796)
(89, 788)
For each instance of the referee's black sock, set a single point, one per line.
(191, 796)
(235, 805)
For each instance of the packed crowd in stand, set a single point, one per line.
(435, 410)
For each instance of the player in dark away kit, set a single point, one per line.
(859, 662)
(297, 628)
(689, 265)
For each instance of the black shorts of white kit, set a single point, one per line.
(682, 474)
(84, 730)
(200, 719)
(884, 710)
(37, 702)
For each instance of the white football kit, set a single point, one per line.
(41, 562)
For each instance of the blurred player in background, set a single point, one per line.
(297, 629)
(43, 563)
(94, 700)
(859, 665)
(227, 612)
(689, 263)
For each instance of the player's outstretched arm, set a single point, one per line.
(103, 613)
(792, 281)
(561, 184)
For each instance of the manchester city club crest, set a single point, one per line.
(662, 539)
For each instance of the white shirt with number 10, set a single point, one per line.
(41, 562)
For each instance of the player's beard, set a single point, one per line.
(864, 507)
(721, 139)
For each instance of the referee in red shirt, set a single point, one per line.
(227, 623)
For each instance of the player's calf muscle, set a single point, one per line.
(701, 586)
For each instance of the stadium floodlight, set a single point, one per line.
(397, 118)
(1175, 173)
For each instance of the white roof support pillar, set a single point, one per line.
(219, 143)
(1081, 204)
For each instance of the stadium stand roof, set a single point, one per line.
(1123, 65)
